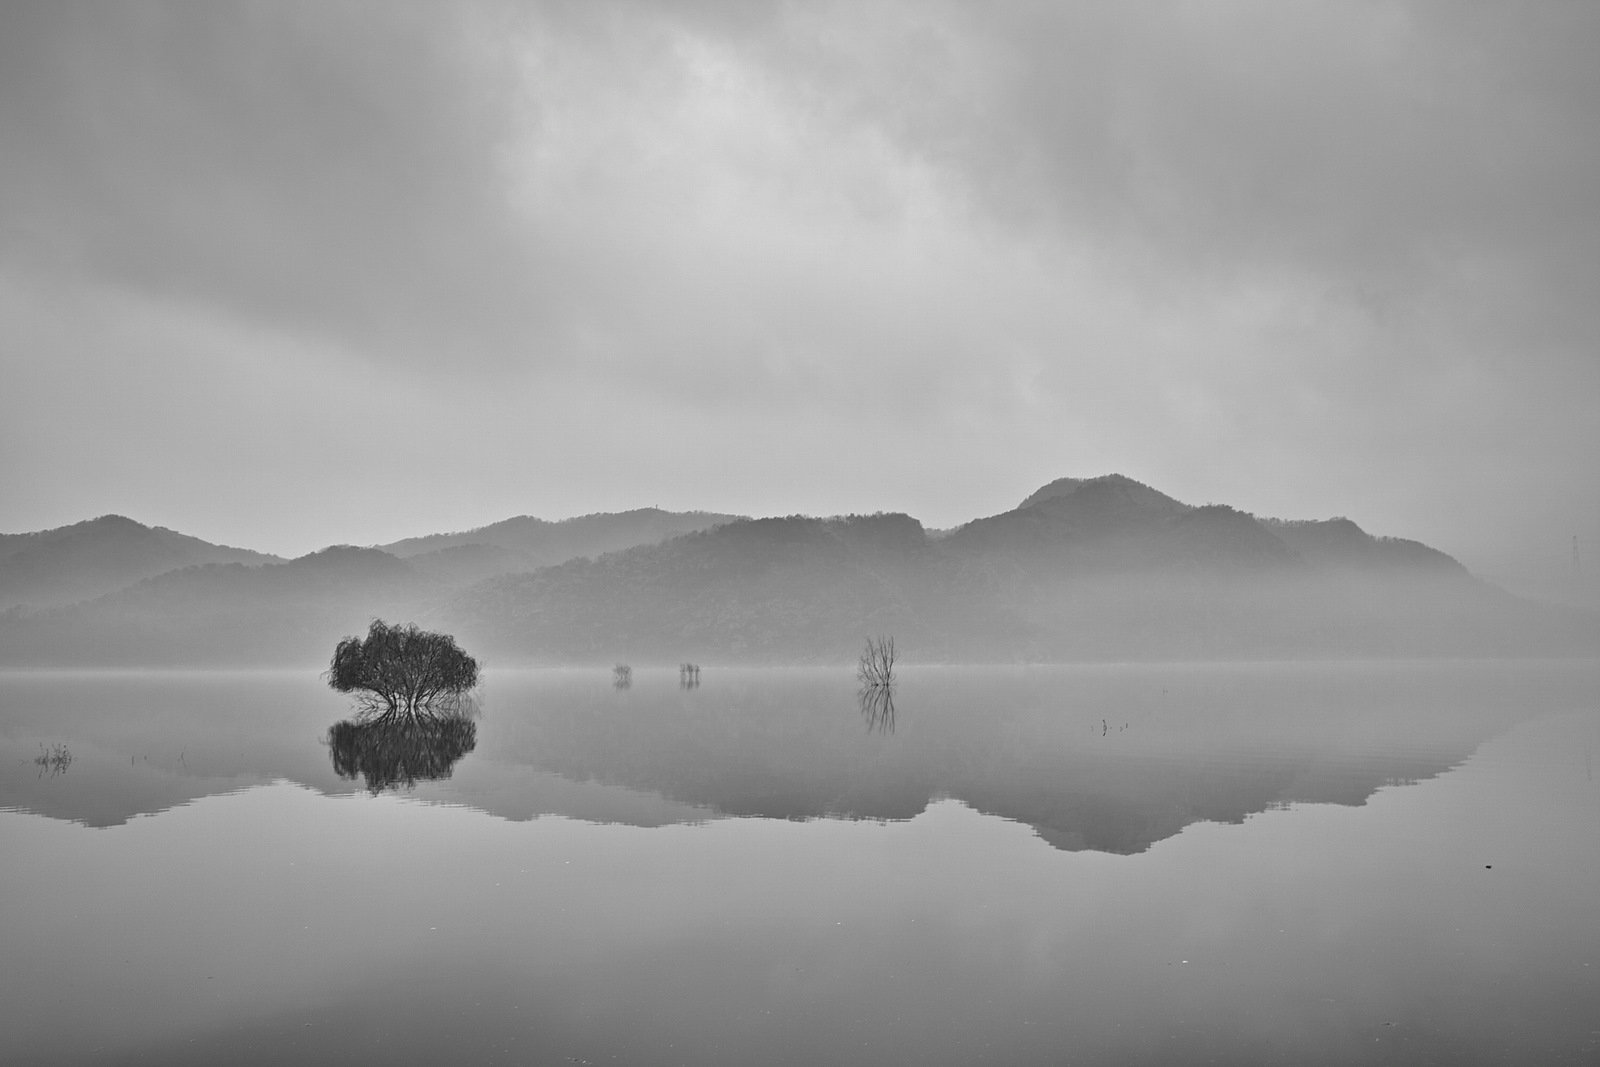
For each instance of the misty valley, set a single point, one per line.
(1102, 779)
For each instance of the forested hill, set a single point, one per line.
(763, 590)
(88, 559)
(532, 542)
(1084, 569)
(1103, 568)
(114, 592)
(224, 615)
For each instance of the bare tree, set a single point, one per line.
(876, 667)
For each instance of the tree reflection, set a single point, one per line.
(395, 751)
(55, 759)
(877, 707)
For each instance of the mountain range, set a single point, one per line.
(526, 543)
(89, 559)
(1082, 569)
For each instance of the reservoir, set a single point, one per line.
(1302, 863)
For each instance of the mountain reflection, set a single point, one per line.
(1110, 759)
(400, 751)
(877, 707)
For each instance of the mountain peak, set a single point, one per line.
(1064, 487)
(1059, 487)
(96, 556)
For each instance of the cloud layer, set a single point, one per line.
(285, 274)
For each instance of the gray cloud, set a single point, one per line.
(321, 167)
(1304, 257)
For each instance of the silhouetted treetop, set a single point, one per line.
(403, 669)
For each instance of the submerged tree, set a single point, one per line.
(876, 667)
(55, 759)
(404, 671)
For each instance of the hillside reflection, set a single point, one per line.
(391, 753)
(1109, 759)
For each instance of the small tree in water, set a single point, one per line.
(404, 671)
(875, 668)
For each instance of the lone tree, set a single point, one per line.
(876, 665)
(404, 671)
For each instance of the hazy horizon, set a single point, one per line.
(282, 276)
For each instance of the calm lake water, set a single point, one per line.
(1284, 864)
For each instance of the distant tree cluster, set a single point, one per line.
(404, 670)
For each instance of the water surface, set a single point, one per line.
(1325, 863)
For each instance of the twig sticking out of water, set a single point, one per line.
(55, 759)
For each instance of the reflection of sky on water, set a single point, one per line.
(377, 930)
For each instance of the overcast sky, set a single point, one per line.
(281, 275)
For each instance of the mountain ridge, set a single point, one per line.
(1082, 569)
(87, 559)
(537, 542)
